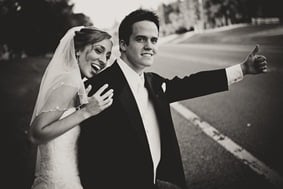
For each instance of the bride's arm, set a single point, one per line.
(48, 125)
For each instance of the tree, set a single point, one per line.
(225, 12)
(35, 26)
(222, 12)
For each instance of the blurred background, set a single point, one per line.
(195, 35)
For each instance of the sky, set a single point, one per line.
(104, 13)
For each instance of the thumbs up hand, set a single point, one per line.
(254, 63)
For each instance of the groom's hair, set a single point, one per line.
(126, 26)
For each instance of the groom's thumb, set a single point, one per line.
(255, 50)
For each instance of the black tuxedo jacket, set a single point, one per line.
(113, 149)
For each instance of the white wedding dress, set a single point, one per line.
(57, 167)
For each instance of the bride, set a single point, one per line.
(63, 103)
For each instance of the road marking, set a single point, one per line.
(246, 157)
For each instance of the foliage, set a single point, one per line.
(170, 8)
(183, 29)
(35, 26)
(235, 11)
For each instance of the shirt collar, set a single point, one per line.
(133, 78)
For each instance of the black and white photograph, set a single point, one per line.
(173, 94)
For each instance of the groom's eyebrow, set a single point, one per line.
(146, 37)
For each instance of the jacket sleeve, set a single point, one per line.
(195, 85)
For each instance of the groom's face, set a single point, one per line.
(142, 45)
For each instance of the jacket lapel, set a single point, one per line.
(161, 108)
(157, 97)
(127, 100)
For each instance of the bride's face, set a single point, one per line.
(93, 58)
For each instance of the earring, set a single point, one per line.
(77, 55)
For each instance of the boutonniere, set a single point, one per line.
(163, 86)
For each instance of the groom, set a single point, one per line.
(132, 144)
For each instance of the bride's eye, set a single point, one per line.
(98, 49)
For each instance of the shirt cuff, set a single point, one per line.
(234, 74)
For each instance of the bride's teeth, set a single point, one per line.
(95, 67)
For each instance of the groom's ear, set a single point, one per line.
(123, 45)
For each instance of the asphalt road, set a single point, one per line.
(250, 113)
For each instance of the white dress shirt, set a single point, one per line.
(146, 109)
(234, 74)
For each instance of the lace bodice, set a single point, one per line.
(57, 167)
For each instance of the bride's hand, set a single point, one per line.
(98, 101)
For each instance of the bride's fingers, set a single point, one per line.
(106, 100)
(88, 89)
(108, 94)
(101, 101)
(100, 90)
(108, 103)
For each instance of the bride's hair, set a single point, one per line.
(87, 36)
